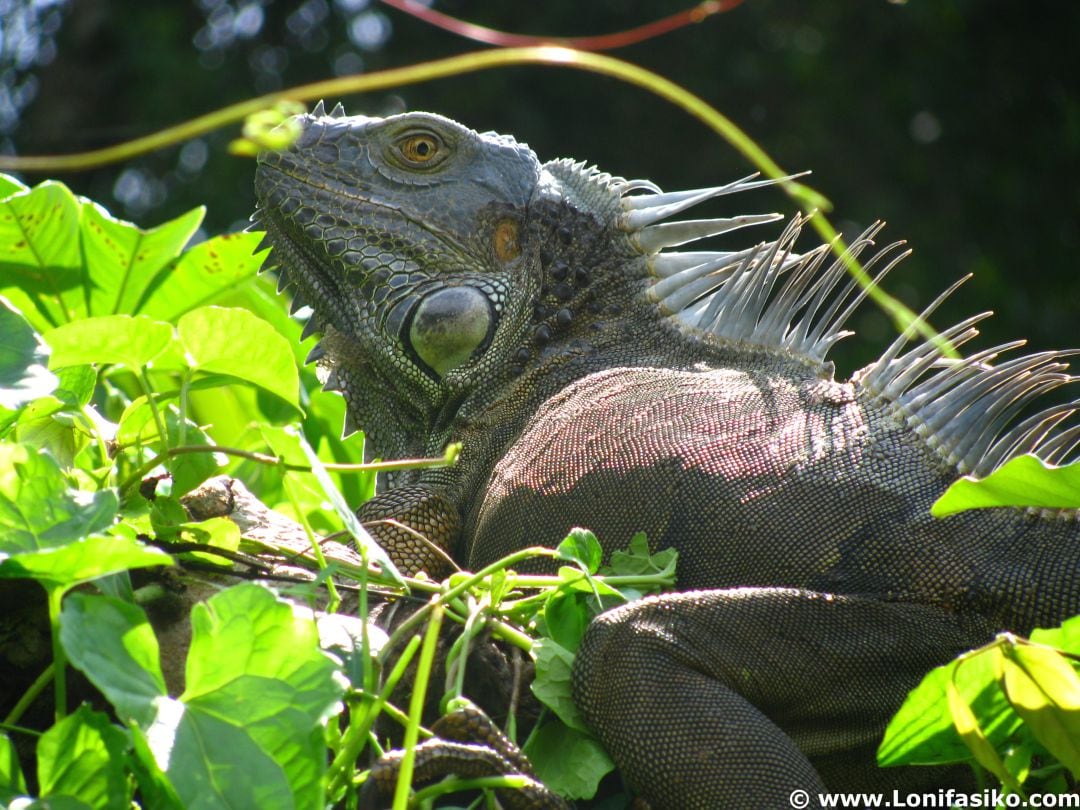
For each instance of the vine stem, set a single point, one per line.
(277, 461)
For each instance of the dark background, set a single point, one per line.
(956, 121)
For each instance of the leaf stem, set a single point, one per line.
(449, 595)
(30, 695)
(356, 734)
(416, 708)
(55, 596)
(278, 461)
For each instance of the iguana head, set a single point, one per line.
(439, 260)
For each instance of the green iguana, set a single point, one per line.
(534, 312)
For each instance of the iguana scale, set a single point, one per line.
(538, 314)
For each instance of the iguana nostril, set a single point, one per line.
(449, 326)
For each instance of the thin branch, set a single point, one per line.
(603, 42)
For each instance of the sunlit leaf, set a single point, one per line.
(235, 342)
(203, 274)
(566, 616)
(82, 757)
(256, 665)
(582, 547)
(123, 339)
(123, 260)
(923, 732)
(552, 683)
(82, 561)
(37, 508)
(1023, 481)
(1045, 691)
(12, 782)
(24, 356)
(40, 260)
(971, 732)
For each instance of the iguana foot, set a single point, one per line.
(417, 526)
(468, 745)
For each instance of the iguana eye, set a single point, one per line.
(420, 149)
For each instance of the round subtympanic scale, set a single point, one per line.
(449, 325)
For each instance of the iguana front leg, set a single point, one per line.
(737, 698)
(417, 525)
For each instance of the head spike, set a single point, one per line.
(681, 289)
(317, 353)
(320, 109)
(332, 381)
(297, 303)
(338, 111)
(349, 427)
(663, 265)
(312, 327)
(283, 280)
(655, 237)
(647, 209)
(266, 243)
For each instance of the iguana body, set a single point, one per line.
(468, 293)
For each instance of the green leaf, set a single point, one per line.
(638, 561)
(1044, 690)
(566, 615)
(82, 757)
(203, 274)
(122, 339)
(40, 259)
(304, 489)
(582, 547)
(1066, 637)
(1025, 481)
(568, 761)
(970, 730)
(76, 385)
(82, 561)
(210, 762)
(922, 731)
(24, 373)
(112, 643)
(138, 427)
(552, 682)
(12, 783)
(237, 343)
(122, 260)
(46, 425)
(10, 185)
(255, 665)
(38, 510)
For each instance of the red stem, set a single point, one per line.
(603, 42)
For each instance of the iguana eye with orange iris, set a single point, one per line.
(420, 148)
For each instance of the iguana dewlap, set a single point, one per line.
(537, 314)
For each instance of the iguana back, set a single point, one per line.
(534, 312)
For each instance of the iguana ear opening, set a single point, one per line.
(449, 327)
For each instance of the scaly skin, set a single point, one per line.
(468, 293)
